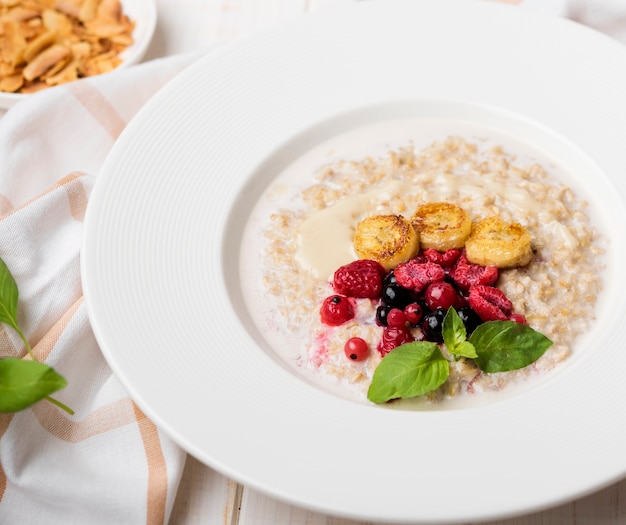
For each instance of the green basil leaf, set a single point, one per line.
(453, 329)
(503, 346)
(8, 297)
(24, 382)
(455, 335)
(465, 349)
(409, 370)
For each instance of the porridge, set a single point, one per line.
(307, 232)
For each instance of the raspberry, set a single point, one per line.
(393, 337)
(490, 303)
(467, 274)
(421, 257)
(336, 310)
(415, 276)
(443, 259)
(362, 278)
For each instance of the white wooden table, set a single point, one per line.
(207, 497)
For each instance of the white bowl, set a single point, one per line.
(144, 13)
(163, 242)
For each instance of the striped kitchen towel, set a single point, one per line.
(107, 463)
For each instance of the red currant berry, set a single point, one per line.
(518, 318)
(396, 318)
(336, 310)
(413, 313)
(356, 349)
(441, 295)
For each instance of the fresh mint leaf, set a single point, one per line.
(410, 370)
(465, 349)
(24, 382)
(455, 335)
(502, 346)
(8, 297)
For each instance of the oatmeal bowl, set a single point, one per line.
(368, 239)
(356, 268)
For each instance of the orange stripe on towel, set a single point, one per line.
(98, 106)
(5, 421)
(7, 349)
(5, 205)
(105, 419)
(157, 469)
(76, 195)
(45, 345)
(102, 420)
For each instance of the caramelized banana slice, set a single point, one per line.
(388, 239)
(498, 243)
(442, 225)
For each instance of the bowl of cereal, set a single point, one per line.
(42, 47)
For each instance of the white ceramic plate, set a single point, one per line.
(144, 12)
(162, 245)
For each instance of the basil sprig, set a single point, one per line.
(23, 382)
(414, 369)
(455, 336)
(409, 370)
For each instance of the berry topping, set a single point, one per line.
(396, 296)
(490, 303)
(467, 274)
(415, 295)
(396, 318)
(381, 314)
(470, 319)
(416, 276)
(433, 324)
(390, 278)
(393, 337)
(421, 257)
(443, 259)
(441, 295)
(518, 318)
(356, 349)
(413, 313)
(336, 310)
(362, 278)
